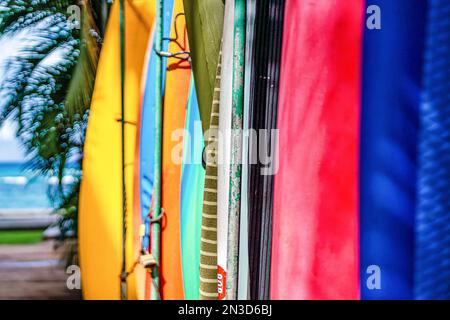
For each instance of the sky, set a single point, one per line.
(10, 148)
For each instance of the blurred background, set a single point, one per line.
(48, 57)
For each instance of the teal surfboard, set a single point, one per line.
(236, 150)
(192, 187)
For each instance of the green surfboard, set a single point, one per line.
(204, 20)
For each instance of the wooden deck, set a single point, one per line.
(33, 272)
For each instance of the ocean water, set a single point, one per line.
(23, 189)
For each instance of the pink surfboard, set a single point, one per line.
(315, 222)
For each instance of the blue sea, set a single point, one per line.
(24, 189)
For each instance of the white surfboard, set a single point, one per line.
(224, 146)
(243, 273)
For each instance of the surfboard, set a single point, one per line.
(389, 131)
(204, 20)
(192, 186)
(100, 206)
(208, 242)
(243, 275)
(263, 106)
(236, 150)
(432, 264)
(144, 159)
(176, 96)
(315, 216)
(142, 184)
(224, 147)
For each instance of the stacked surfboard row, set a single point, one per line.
(303, 152)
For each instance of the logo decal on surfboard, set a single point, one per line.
(221, 281)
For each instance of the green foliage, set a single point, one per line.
(47, 73)
(20, 236)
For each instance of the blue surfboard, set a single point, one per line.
(146, 143)
(391, 86)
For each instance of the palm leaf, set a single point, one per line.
(47, 73)
(80, 90)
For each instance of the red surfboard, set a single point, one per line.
(315, 222)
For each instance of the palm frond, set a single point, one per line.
(47, 73)
(80, 90)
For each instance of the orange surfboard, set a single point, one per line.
(174, 113)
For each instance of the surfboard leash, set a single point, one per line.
(156, 227)
(183, 54)
(123, 274)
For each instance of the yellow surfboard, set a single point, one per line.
(100, 207)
